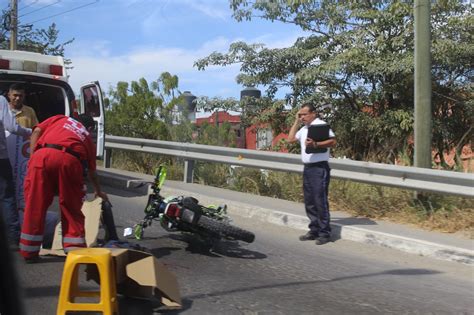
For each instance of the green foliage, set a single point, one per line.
(363, 137)
(155, 111)
(281, 185)
(147, 163)
(144, 163)
(150, 111)
(221, 135)
(358, 58)
(212, 174)
(213, 104)
(135, 110)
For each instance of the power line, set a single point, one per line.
(64, 12)
(40, 8)
(29, 5)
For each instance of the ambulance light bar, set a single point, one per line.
(31, 66)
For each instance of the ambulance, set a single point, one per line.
(48, 91)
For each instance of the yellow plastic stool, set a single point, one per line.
(100, 257)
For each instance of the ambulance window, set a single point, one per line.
(91, 101)
(46, 100)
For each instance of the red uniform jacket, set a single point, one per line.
(69, 133)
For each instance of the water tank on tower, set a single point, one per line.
(190, 105)
(250, 92)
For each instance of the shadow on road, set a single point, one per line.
(398, 272)
(234, 249)
(160, 252)
(226, 248)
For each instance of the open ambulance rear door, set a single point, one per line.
(92, 104)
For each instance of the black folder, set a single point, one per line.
(318, 133)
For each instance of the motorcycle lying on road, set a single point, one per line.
(185, 214)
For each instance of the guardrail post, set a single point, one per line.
(188, 171)
(107, 158)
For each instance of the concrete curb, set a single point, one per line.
(340, 231)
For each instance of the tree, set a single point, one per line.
(149, 111)
(43, 41)
(220, 135)
(217, 103)
(141, 110)
(358, 58)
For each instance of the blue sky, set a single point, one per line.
(124, 40)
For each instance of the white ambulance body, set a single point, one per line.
(48, 91)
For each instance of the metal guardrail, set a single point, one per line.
(419, 179)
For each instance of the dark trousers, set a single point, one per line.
(8, 200)
(316, 187)
(10, 298)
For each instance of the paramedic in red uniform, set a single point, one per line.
(61, 148)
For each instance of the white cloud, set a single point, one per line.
(218, 44)
(150, 61)
(89, 48)
(213, 9)
(156, 17)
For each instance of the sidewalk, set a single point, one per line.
(292, 215)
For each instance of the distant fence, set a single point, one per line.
(419, 179)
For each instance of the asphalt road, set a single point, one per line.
(277, 274)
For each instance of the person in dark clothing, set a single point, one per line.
(316, 174)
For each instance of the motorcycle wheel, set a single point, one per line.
(225, 230)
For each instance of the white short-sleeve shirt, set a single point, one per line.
(302, 134)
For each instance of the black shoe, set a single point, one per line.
(32, 260)
(308, 237)
(322, 240)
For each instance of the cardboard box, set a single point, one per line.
(92, 211)
(140, 275)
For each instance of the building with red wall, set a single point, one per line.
(261, 137)
(218, 118)
(254, 137)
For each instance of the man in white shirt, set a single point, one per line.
(7, 187)
(316, 174)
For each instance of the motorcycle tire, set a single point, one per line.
(225, 230)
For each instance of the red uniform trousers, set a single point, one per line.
(53, 172)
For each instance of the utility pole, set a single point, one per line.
(13, 24)
(423, 116)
